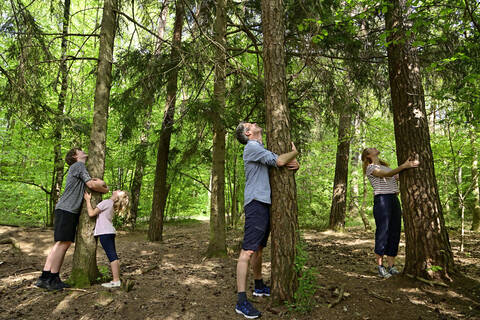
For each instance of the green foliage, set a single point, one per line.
(104, 274)
(307, 281)
(335, 58)
(435, 268)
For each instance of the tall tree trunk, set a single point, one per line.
(58, 164)
(363, 207)
(339, 198)
(475, 188)
(141, 153)
(84, 270)
(427, 244)
(217, 244)
(284, 220)
(160, 189)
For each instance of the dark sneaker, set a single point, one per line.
(55, 284)
(383, 273)
(393, 271)
(42, 283)
(247, 310)
(262, 292)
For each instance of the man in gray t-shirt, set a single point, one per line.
(72, 197)
(257, 160)
(67, 212)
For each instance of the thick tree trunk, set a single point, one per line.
(58, 164)
(339, 198)
(84, 270)
(284, 220)
(476, 188)
(141, 153)
(217, 244)
(160, 191)
(428, 252)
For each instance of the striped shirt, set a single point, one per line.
(381, 185)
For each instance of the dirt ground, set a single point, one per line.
(173, 280)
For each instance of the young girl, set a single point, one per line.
(386, 207)
(105, 231)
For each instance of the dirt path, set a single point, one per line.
(173, 280)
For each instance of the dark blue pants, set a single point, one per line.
(108, 244)
(388, 219)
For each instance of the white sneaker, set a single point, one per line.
(112, 284)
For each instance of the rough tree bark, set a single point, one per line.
(160, 189)
(217, 243)
(428, 252)
(84, 270)
(338, 208)
(58, 164)
(284, 220)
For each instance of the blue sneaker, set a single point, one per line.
(247, 310)
(262, 292)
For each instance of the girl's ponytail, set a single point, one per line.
(122, 205)
(365, 160)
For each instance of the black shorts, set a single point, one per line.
(257, 225)
(65, 226)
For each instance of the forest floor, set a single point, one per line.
(173, 280)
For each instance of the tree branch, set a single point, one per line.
(195, 179)
(27, 182)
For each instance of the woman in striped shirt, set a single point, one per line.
(386, 207)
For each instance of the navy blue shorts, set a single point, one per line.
(108, 244)
(257, 225)
(65, 225)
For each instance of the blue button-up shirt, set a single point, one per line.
(256, 161)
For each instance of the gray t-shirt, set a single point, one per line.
(256, 160)
(72, 197)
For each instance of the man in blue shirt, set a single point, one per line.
(257, 161)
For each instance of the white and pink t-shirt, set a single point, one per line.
(104, 223)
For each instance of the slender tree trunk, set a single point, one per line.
(366, 224)
(84, 270)
(353, 204)
(160, 191)
(339, 198)
(141, 153)
(427, 244)
(363, 207)
(475, 188)
(131, 220)
(235, 192)
(217, 244)
(58, 164)
(284, 220)
(446, 184)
